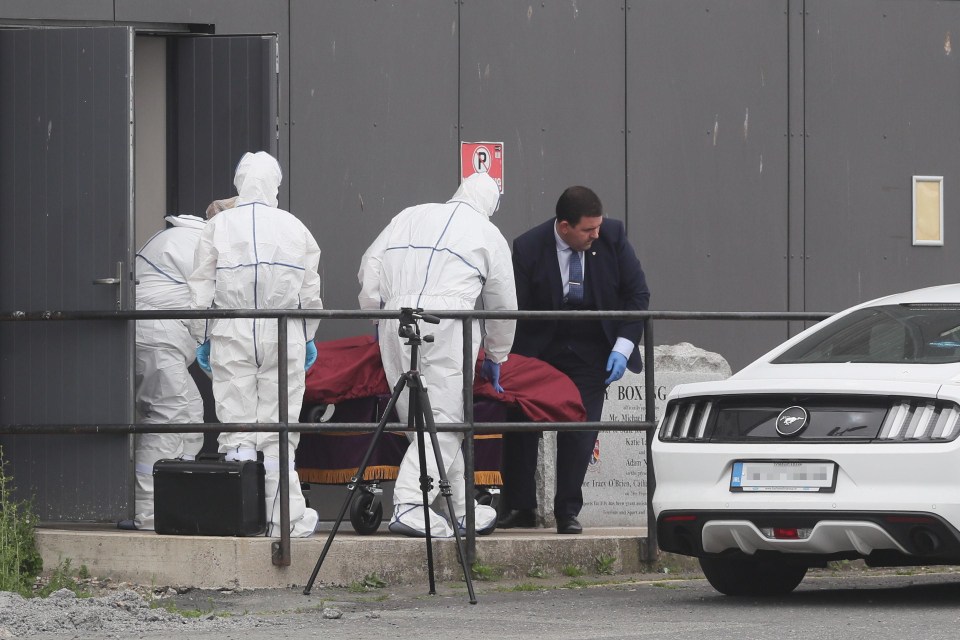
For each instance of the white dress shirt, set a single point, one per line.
(564, 254)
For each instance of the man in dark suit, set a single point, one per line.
(570, 263)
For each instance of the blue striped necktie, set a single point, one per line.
(575, 271)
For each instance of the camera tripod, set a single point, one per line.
(420, 418)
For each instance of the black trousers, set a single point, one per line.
(574, 448)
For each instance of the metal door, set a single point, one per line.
(225, 97)
(66, 212)
(224, 102)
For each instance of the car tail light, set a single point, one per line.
(687, 421)
(680, 518)
(914, 420)
(911, 519)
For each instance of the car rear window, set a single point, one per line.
(921, 334)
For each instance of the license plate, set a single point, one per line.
(784, 475)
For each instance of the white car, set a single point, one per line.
(839, 444)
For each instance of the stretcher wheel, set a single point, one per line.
(488, 497)
(366, 512)
(320, 413)
(305, 490)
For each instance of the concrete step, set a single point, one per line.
(230, 563)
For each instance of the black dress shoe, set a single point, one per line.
(127, 525)
(568, 524)
(522, 518)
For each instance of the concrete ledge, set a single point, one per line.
(221, 562)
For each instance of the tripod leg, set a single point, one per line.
(426, 415)
(355, 480)
(415, 419)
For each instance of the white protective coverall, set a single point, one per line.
(438, 257)
(166, 393)
(256, 256)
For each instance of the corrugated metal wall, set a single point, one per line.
(882, 96)
(759, 150)
(373, 125)
(708, 163)
(547, 79)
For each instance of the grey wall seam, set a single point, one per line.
(626, 124)
(459, 87)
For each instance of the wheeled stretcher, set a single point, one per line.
(348, 386)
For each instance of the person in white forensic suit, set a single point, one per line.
(440, 257)
(165, 391)
(258, 256)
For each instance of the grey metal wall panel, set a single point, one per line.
(374, 114)
(882, 106)
(56, 10)
(229, 16)
(224, 104)
(546, 79)
(707, 160)
(65, 171)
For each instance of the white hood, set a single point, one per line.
(258, 179)
(479, 191)
(190, 222)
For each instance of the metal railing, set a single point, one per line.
(281, 549)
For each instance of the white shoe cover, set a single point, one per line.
(408, 520)
(484, 519)
(307, 525)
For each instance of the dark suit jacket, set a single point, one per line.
(613, 276)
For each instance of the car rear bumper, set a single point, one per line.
(871, 478)
(920, 537)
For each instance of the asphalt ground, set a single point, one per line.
(846, 601)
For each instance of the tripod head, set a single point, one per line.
(409, 327)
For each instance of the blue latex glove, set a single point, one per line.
(490, 370)
(311, 355)
(616, 365)
(203, 356)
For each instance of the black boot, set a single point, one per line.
(518, 518)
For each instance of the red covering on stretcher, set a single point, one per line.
(350, 368)
(349, 375)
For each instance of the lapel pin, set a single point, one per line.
(593, 253)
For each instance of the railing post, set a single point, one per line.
(281, 550)
(469, 466)
(650, 410)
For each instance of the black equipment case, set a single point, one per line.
(209, 497)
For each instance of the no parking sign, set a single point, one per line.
(482, 157)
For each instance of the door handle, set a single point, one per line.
(117, 281)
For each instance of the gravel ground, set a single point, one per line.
(125, 613)
(122, 610)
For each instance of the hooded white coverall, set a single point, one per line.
(437, 257)
(166, 394)
(256, 256)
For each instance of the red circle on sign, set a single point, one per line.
(481, 160)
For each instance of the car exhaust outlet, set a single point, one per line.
(684, 541)
(925, 541)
